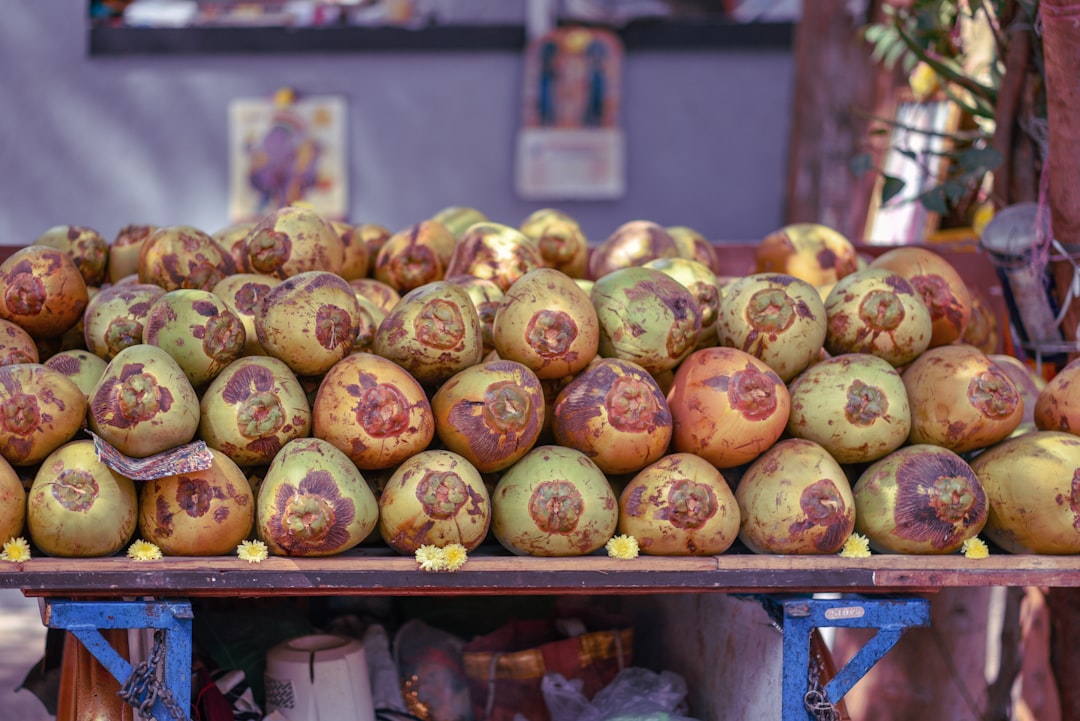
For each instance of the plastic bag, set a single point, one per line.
(635, 694)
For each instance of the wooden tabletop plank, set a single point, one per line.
(373, 572)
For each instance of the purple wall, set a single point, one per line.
(106, 141)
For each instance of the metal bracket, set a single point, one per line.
(797, 616)
(174, 618)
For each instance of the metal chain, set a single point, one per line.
(816, 701)
(144, 687)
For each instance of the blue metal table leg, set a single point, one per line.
(173, 619)
(799, 615)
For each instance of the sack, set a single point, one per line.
(505, 668)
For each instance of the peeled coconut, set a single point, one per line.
(855, 405)
(40, 410)
(12, 502)
(548, 323)
(1031, 485)
(633, 243)
(144, 404)
(491, 413)
(553, 502)
(434, 498)
(81, 367)
(726, 406)
(811, 252)
(373, 410)
(42, 291)
(78, 507)
(182, 256)
(252, 409)
(681, 505)
(877, 311)
(942, 289)
(115, 317)
(920, 499)
(313, 501)
(415, 256)
(615, 413)
(645, 317)
(774, 317)
(433, 332)
(293, 240)
(309, 321)
(198, 330)
(795, 499)
(198, 513)
(960, 399)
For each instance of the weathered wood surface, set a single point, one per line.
(375, 572)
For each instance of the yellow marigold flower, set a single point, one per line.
(16, 550)
(923, 82)
(142, 550)
(983, 215)
(430, 558)
(975, 548)
(454, 556)
(622, 546)
(252, 551)
(856, 546)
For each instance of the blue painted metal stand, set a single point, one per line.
(171, 621)
(797, 616)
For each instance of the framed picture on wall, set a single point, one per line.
(915, 155)
(283, 150)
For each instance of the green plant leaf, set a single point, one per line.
(954, 191)
(979, 159)
(935, 200)
(861, 164)
(891, 188)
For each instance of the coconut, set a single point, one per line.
(233, 239)
(562, 243)
(144, 404)
(368, 319)
(374, 410)
(293, 240)
(313, 501)
(181, 256)
(1029, 384)
(433, 332)
(942, 289)
(795, 499)
(703, 284)
(774, 317)
(632, 244)
(42, 291)
(198, 330)
(679, 505)
(491, 414)
(855, 405)
(811, 252)
(487, 296)
(40, 410)
(984, 327)
(877, 311)
(548, 323)
(199, 513)
(920, 499)
(496, 252)
(615, 413)
(695, 246)
(12, 502)
(242, 293)
(960, 399)
(434, 498)
(553, 502)
(78, 507)
(379, 293)
(16, 345)
(415, 256)
(645, 317)
(115, 317)
(124, 250)
(85, 246)
(309, 321)
(1055, 407)
(357, 257)
(252, 409)
(374, 236)
(1031, 485)
(726, 406)
(459, 218)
